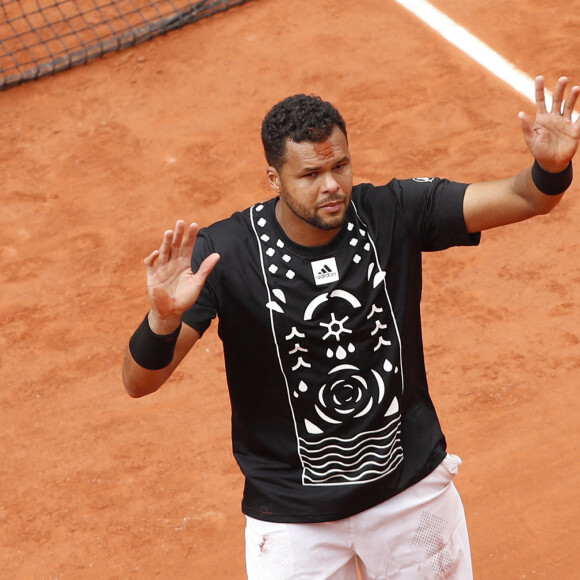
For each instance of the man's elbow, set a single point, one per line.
(137, 389)
(546, 204)
(135, 393)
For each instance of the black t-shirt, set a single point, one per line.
(331, 413)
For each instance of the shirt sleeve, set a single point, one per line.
(433, 209)
(200, 315)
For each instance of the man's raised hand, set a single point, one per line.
(553, 136)
(171, 284)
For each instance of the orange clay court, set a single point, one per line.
(99, 160)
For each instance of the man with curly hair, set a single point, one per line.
(317, 292)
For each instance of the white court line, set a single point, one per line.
(476, 49)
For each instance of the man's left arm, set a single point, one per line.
(552, 140)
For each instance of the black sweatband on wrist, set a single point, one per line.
(152, 351)
(551, 183)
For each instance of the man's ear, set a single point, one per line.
(273, 178)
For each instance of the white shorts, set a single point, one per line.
(420, 534)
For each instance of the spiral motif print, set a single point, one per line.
(349, 395)
(366, 456)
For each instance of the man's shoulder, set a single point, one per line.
(406, 190)
(237, 226)
(370, 195)
(240, 217)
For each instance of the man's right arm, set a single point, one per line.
(161, 341)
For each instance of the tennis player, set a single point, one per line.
(317, 292)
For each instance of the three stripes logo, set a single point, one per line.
(325, 271)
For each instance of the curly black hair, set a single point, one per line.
(299, 118)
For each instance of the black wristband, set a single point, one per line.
(552, 183)
(152, 351)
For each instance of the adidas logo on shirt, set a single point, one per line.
(325, 271)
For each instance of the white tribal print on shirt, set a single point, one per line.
(339, 351)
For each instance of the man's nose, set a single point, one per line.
(330, 185)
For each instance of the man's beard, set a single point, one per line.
(314, 219)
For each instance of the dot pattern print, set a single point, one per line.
(432, 535)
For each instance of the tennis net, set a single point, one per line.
(42, 37)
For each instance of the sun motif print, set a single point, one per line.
(339, 351)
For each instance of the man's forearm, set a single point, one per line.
(139, 380)
(506, 201)
(539, 202)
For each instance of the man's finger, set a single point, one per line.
(526, 125)
(165, 248)
(207, 266)
(177, 237)
(150, 259)
(571, 102)
(189, 241)
(558, 95)
(540, 96)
